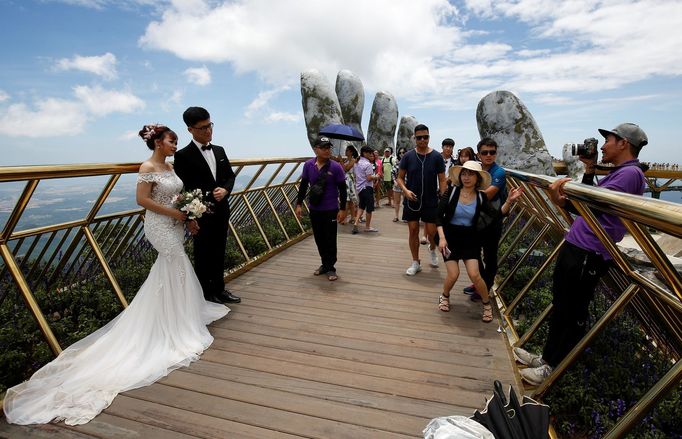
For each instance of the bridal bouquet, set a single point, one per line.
(192, 203)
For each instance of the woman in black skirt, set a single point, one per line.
(458, 214)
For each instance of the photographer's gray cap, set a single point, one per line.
(630, 132)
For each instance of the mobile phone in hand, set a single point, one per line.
(446, 252)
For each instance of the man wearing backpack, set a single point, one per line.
(497, 195)
(387, 163)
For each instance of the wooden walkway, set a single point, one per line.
(367, 356)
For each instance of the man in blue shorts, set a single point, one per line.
(421, 178)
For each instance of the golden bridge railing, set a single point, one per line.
(535, 231)
(59, 256)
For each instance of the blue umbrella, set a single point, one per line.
(340, 131)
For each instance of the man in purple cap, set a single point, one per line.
(583, 259)
(327, 181)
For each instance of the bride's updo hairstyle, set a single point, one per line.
(150, 133)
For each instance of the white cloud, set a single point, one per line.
(526, 53)
(198, 75)
(174, 99)
(60, 117)
(280, 39)
(104, 66)
(101, 4)
(551, 99)
(101, 102)
(283, 117)
(3, 96)
(428, 52)
(51, 117)
(262, 100)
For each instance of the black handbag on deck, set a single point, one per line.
(316, 191)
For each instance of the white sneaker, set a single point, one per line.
(528, 358)
(536, 375)
(414, 269)
(434, 257)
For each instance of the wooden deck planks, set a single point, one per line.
(369, 355)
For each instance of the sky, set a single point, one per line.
(79, 78)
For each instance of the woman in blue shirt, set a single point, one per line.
(458, 213)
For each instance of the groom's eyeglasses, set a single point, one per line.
(426, 137)
(204, 127)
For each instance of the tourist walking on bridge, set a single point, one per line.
(387, 163)
(327, 183)
(447, 146)
(464, 155)
(421, 178)
(496, 194)
(583, 259)
(365, 179)
(459, 213)
(397, 192)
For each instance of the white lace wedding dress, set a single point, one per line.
(162, 329)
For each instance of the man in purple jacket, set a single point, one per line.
(330, 178)
(583, 259)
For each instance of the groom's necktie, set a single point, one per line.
(206, 147)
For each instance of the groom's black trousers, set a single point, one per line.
(209, 253)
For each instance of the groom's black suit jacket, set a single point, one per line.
(194, 172)
(210, 242)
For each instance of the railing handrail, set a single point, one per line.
(44, 172)
(663, 215)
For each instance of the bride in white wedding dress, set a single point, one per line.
(162, 329)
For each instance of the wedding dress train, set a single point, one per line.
(162, 329)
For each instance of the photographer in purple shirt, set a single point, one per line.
(583, 259)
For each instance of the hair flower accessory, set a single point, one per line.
(149, 131)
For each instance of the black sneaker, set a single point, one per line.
(475, 297)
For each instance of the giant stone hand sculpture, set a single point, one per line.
(320, 104)
(503, 117)
(383, 122)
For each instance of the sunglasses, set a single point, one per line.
(487, 152)
(422, 137)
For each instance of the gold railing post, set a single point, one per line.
(18, 210)
(30, 300)
(534, 279)
(105, 266)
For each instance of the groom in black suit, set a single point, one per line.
(205, 166)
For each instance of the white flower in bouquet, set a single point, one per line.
(192, 203)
